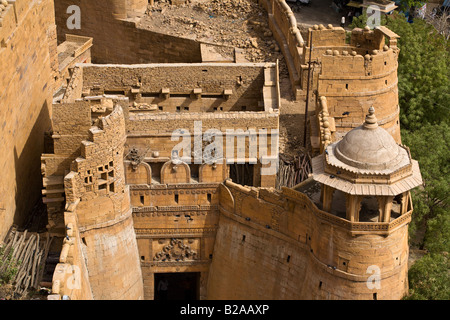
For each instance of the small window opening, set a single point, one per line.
(176, 198)
(142, 199)
(209, 197)
(288, 259)
(320, 285)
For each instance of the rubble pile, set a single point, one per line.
(229, 8)
(230, 23)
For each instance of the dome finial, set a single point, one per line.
(371, 119)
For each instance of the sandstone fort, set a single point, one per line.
(135, 159)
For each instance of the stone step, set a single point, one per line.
(52, 200)
(52, 191)
(53, 180)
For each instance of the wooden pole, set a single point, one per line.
(307, 88)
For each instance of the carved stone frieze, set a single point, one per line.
(176, 249)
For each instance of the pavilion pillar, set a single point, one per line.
(353, 204)
(385, 206)
(327, 198)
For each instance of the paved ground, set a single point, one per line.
(317, 12)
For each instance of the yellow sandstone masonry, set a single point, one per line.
(28, 60)
(129, 211)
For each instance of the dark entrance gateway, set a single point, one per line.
(177, 286)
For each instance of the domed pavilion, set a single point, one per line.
(370, 169)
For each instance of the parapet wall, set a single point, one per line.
(283, 24)
(179, 88)
(239, 84)
(281, 246)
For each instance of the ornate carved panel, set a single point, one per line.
(176, 249)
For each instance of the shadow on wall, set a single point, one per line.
(120, 41)
(28, 169)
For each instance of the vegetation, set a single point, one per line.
(424, 92)
(429, 278)
(430, 146)
(406, 4)
(12, 266)
(423, 73)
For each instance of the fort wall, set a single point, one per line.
(28, 61)
(351, 76)
(96, 192)
(370, 80)
(287, 248)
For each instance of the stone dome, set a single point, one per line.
(369, 147)
(367, 161)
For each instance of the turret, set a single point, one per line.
(370, 169)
